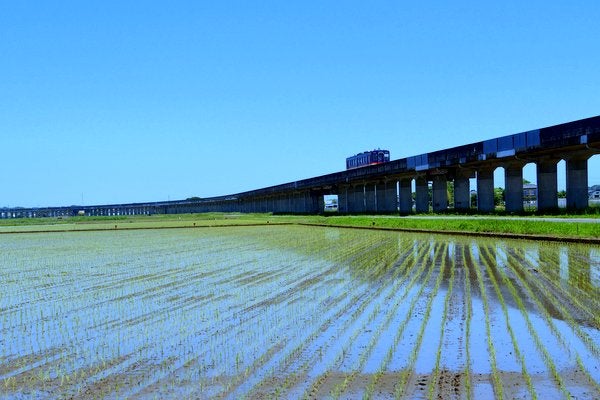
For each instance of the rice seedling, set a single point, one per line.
(278, 311)
(405, 375)
(468, 318)
(539, 343)
(513, 337)
(496, 380)
(436, 373)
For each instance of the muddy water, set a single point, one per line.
(296, 312)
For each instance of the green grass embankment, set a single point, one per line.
(511, 227)
(542, 228)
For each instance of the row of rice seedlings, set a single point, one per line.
(138, 290)
(179, 341)
(468, 306)
(130, 306)
(86, 293)
(37, 330)
(496, 380)
(399, 279)
(361, 319)
(575, 272)
(423, 266)
(539, 343)
(580, 267)
(314, 240)
(247, 318)
(490, 272)
(570, 267)
(391, 313)
(284, 358)
(302, 342)
(407, 372)
(524, 278)
(219, 344)
(136, 347)
(258, 373)
(574, 297)
(436, 373)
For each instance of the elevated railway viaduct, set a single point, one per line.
(387, 187)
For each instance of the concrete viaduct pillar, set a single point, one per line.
(462, 189)
(485, 189)
(440, 193)
(577, 182)
(316, 203)
(422, 194)
(356, 201)
(298, 202)
(547, 187)
(371, 197)
(513, 190)
(343, 199)
(387, 197)
(405, 192)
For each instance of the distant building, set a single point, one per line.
(529, 192)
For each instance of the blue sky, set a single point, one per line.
(118, 101)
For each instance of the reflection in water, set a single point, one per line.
(556, 279)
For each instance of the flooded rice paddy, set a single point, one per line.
(296, 312)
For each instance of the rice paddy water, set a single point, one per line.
(296, 312)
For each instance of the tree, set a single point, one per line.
(450, 192)
(498, 196)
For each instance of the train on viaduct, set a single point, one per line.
(387, 187)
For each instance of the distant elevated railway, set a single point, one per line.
(387, 186)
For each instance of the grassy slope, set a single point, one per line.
(480, 224)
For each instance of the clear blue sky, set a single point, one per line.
(121, 101)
